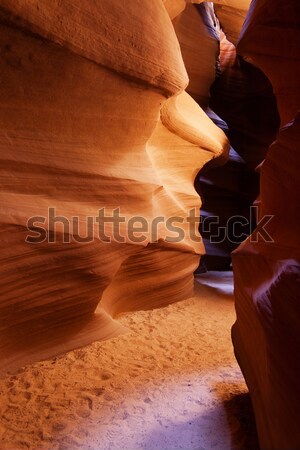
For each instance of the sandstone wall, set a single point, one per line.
(93, 115)
(267, 271)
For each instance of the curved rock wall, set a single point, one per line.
(86, 125)
(197, 32)
(267, 266)
(242, 96)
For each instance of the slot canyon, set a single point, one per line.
(149, 256)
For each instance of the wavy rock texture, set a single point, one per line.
(242, 95)
(198, 32)
(267, 273)
(86, 124)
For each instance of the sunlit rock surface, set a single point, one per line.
(267, 267)
(231, 14)
(199, 34)
(85, 125)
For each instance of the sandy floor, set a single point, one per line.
(170, 383)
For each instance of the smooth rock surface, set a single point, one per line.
(85, 125)
(267, 266)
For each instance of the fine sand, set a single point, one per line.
(170, 383)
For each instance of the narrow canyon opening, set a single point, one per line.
(149, 245)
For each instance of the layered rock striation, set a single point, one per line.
(94, 120)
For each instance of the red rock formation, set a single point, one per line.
(241, 95)
(270, 38)
(267, 269)
(86, 124)
(231, 14)
(197, 32)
